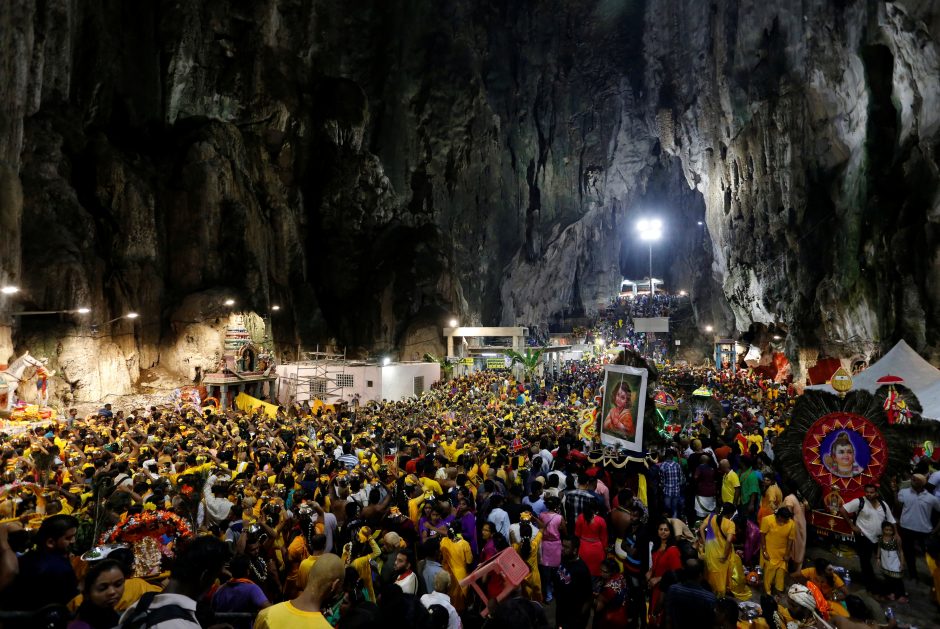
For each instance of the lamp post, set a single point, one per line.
(650, 230)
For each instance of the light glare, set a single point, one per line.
(650, 228)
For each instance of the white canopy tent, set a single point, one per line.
(919, 376)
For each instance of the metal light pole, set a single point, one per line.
(650, 230)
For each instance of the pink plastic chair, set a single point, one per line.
(507, 563)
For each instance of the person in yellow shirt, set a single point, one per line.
(772, 498)
(431, 485)
(324, 582)
(777, 533)
(300, 548)
(829, 583)
(730, 483)
(318, 546)
(755, 439)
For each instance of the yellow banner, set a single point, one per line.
(248, 404)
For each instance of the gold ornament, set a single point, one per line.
(841, 381)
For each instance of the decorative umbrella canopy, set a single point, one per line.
(702, 392)
(890, 379)
(665, 401)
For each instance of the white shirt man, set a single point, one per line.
(439, 598)
(870, 516)
(918, 503)
(500, 519)
(405, 578)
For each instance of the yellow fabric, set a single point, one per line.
(286, 616)
(363, 567)
(303, 571)
(641, 489)
(728, 484)
(532, 585)
(296, 553)
(134, 588)
(777, 537)
(718, 569)
(248, 404)
(770, 501)
(456, 556)
(835, 607)
(432, 485)
(755, 439)
(739, 587)
(450, 450)
(934, 569)
(414, 508)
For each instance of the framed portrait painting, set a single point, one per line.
(622, 407)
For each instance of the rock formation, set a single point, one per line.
(375, 171)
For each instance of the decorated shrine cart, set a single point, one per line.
(153, 534)
(835, 445)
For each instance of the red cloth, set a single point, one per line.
(663, 562)
(593, 536)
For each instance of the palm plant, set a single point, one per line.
(530, 360)
(447, 368)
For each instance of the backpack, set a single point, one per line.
(143, 616)
(861, 506)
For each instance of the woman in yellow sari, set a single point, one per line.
(530, 539)
(456, 556)
(717, 536)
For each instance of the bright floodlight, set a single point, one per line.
(386, 361)
(701, 223)
(709, 328)
(650, 228)
(275, 308)
(9, 290)
(453, 323)
(229, 302)
(83, 310)
(132, 315)
(682, 293)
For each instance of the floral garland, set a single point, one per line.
(135, 527)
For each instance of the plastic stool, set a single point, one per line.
(506, 563)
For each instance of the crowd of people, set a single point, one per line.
(375, 516)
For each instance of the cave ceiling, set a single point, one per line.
(375, 172)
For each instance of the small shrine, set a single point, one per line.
(245, 367)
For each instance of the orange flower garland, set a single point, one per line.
(136, 527)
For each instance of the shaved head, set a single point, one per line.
(327, 569)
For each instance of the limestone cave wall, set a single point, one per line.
(375, 171)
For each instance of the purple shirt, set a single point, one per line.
(238, 596)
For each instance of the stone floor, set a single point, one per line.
(919, 612)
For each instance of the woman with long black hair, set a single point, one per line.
(591, 530)
(530, 539)
(666, 558)
(102, 590)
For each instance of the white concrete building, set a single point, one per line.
(346, 381)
